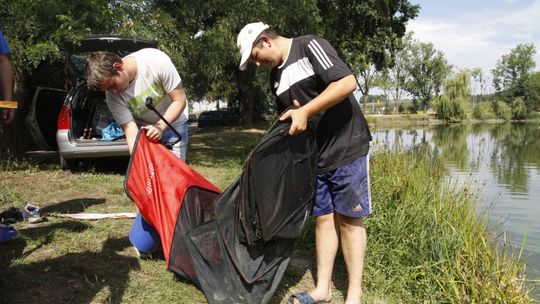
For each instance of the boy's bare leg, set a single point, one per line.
(353, 245)
(327, 242)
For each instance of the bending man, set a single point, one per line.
(307, 73)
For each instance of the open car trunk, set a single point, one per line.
(76, 124)
(90, 117)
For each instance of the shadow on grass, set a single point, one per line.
(293, 276)
(15, 249)
(69, 278)
(107, 165)
(302, 272)
(112, 165)
(33, 270)
(73, 205)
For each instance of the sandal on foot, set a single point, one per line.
(303, 298)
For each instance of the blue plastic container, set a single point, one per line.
(143, 236)
(7, 232)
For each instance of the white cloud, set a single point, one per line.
(479, 39)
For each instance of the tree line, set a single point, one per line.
(423, 73)
(200, 38)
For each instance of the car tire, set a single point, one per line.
(69, 164)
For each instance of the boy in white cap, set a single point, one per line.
(307, 73)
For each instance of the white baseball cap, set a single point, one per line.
(245, 40)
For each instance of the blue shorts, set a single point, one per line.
(344, 190)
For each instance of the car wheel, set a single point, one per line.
(69, 164)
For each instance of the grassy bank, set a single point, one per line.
(423, 119)
(396, 120)
(426, 244)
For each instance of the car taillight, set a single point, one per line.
(63, 118)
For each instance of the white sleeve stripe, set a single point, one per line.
(318, 56)
(321, 55)
(315, 42)
(321, 50)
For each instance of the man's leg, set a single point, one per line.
(353, 245)
(327, 242)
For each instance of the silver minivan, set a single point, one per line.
(76, 123)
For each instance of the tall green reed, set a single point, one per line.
(427, 242)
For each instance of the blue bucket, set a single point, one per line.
(7, 232)
(143, 236)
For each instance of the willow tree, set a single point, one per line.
(457, 91)
(459, 85)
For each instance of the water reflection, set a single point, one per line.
(501, 160)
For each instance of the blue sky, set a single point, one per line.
(476, 33)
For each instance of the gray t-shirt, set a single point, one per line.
(156, 77)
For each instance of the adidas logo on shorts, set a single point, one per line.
(357, 208)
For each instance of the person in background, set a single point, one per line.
(308, 74)
(6, 80)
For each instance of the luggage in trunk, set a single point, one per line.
(90, 116)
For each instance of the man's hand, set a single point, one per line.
(153, 132)
(299, 119)
(7, 115)
(334, 93)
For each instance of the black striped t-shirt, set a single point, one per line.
(342, 132)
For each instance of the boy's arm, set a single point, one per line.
(334, 93)
(130, 130)
(177, 106)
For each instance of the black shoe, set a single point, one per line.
(11, 216)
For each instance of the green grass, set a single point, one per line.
(426, 242)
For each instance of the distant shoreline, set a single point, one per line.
(401, 120)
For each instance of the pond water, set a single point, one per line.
(501, 161)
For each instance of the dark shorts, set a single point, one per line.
(344, 190)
